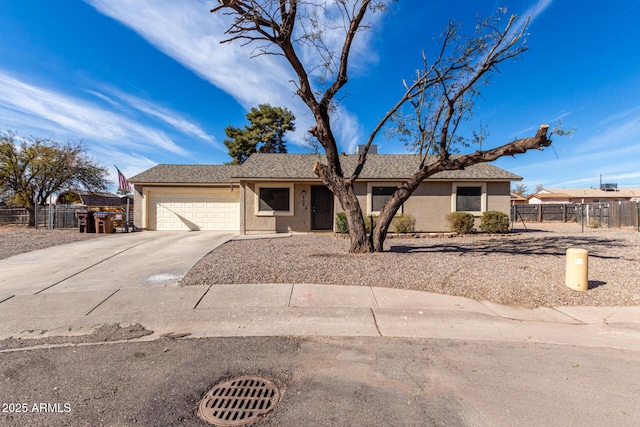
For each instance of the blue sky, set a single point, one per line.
(145, 82)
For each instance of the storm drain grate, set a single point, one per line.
(239, 401)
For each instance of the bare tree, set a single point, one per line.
(33, 169)
(521, 190)
(440, 96)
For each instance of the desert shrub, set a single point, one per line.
(494, 222)
(404, 223)
(460, 222)
(342, 227)
(341, 223)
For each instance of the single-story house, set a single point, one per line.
(584, 195)
(280, 193)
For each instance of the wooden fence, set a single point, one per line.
(611, 215)
(14, 216)
(56, 216)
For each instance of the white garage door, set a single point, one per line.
(217, 209)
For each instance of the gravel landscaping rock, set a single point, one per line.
(524, 269)
(16, 240)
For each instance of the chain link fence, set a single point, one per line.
(610, 215)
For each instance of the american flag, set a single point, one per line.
(123, 184)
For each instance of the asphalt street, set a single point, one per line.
(326, 382)
(97, 333)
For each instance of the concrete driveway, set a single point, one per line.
(144, 259)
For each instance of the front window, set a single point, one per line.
(274, 199)
(380, 196)
(469, 198)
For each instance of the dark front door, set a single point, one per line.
(321, 208)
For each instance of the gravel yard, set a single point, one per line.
(523, 268)
(16, 240)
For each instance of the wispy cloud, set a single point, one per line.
(22, 103)
(188, 33)
(349, 130)
(621, 134)
(536, 9)
(129, 163)
(172, 118)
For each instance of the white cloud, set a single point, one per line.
(171, 118)
(105, 98)
(623, 133)
(187, 32)
(130, 164)
(536, 9)
(29, 106)
(348, 130)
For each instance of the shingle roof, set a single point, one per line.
(378, 166)
(300, 166)
(187, 174)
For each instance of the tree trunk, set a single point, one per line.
(31, 211)
(379, 232)
(345, 193)
(355, 221)
(357, 233)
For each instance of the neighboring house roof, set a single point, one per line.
(186, 174)
(377, 166)
(596, 193)
(543, 196)
(516, 197)
(89, 198)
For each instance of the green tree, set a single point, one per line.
(33, 169)
(264, 134)
(439, 98)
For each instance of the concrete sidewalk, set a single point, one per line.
(312, 310)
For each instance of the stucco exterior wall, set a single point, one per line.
(138, 203)
(429, 204)
(498, 196)
(300, 221)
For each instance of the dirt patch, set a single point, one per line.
(15, 240)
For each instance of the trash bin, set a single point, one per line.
(86, 222)
(104, 222)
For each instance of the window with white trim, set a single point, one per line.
(273, 200)
(469, 197)
(378, 194)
